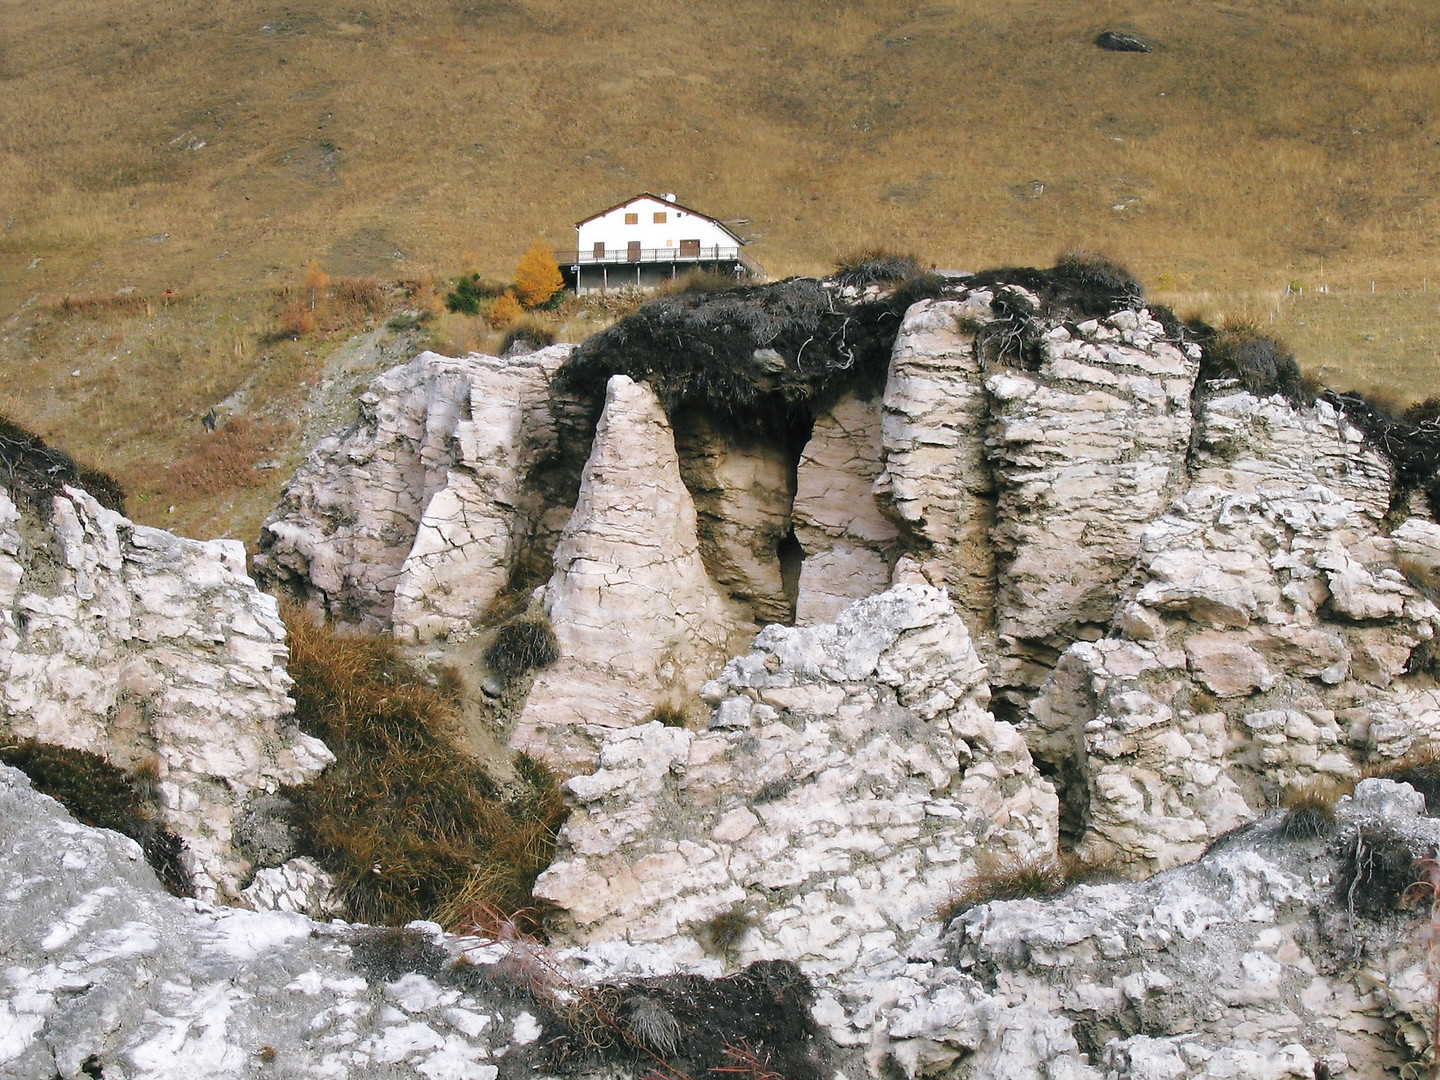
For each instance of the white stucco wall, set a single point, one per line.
(678, 225)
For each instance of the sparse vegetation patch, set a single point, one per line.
(104, 796)
(408, 825)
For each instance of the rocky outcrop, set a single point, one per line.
(418, 515)
(1250, 962)
(160, 655)
(936, 481)
(637, 618)
(846, 542)
(106, 975)
(849, 779)
(1271, 637)
(743, 492)
(1246, 963)
(1087, 451)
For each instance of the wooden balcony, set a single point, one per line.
(683, 253)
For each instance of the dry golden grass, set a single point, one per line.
(409, 826)
(217, 150)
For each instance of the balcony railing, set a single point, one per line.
(622, 256)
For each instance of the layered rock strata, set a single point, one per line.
(849, 780)
(1087, 451)
(637, 618)
(160, 655)
(1272, 635)
(936, 481)
(419, 514)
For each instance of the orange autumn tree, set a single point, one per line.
(537, 276)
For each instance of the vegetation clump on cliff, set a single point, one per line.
(35, 473)
(104, 796)
(1082, 283)
(762, 360)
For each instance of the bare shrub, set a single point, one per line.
(874, 266)
(521, 645)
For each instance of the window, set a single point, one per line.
(632, 219)
(659, 217)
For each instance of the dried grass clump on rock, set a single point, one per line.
(409, 826)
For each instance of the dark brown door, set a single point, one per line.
(599, 249)
(632, 251)
(689, 249)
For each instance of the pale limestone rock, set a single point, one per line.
(742, 494)
(1265, 446)
(637, 618)
(935, 479)
(156, 653)
(1220, 962)
(421, 509)
(1087, 451)
(1271, 628)
(838, 524)
(867, 776)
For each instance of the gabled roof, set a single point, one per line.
(665, 202)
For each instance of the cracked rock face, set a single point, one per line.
(850, 777)
(157, 653)
(637, 618)
(415, 517)
(1266, 641)
(106, 975)
(1087, 451)
(1244, 963)
(838, 524)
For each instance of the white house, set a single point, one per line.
(648, 239)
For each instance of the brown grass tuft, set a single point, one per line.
(226, 457)
(409, 825)
(1310, 807)
(1006, 878)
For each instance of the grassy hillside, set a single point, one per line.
(214, 150)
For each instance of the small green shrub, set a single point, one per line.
(1006, 878)
(874, 266)
(521, 645)
(470, 293)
